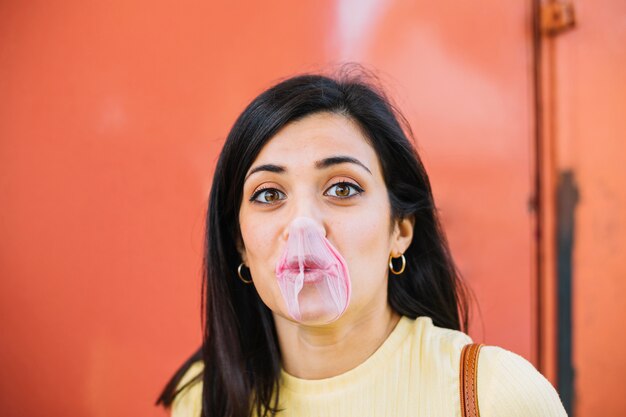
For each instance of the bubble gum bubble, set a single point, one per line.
(312, 275)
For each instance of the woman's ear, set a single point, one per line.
(402, 235)
(241, 249)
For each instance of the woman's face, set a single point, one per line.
(321, 167)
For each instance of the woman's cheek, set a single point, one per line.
(263, 247)
(258, 237)
(267, 288)
(369, 246)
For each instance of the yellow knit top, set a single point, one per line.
(415, 372)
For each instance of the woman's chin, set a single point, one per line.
(314, 313)
(319, 299)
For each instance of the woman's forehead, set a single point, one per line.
(309, 141)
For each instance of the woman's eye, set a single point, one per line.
(344, 190)
(267, 196)
(338, 190)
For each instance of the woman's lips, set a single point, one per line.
(313, 267)
(311, 275)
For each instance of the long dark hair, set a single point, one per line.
(240, 351)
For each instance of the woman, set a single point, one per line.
(329, 285)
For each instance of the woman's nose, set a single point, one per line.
(304, 234)
(301, 225)
(304, 215)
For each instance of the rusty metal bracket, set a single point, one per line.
(557, 17)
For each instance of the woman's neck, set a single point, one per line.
(327, 351)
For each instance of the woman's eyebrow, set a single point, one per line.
(321, 164)
(266, 167)
(340, 159)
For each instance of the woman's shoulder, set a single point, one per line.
(188, 401)
(437, 340)
(510, 385)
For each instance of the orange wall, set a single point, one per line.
(111, 120)
(586, 88)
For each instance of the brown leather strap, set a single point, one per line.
(468, 381)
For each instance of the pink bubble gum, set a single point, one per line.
(312, 275)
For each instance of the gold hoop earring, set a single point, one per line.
(246, 281)
(393, 271)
